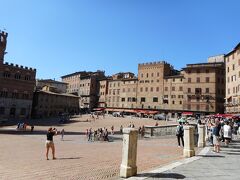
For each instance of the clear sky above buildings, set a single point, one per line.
(64, 36)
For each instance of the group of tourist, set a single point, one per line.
(218, 130)
(101, 134)
(221, 130)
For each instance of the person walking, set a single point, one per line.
(121, 129)
(49, 142)
(227, 133)
(179, 134)
(62, 134)
(216, 136)
(90, 134)
(112, 129)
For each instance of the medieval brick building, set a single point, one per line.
(16, 86)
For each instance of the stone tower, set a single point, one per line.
(3, 44)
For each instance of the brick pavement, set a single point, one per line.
(23, 155)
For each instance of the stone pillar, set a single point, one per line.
(206, 132)
(201, 136)
(188, 150)
(129, 153)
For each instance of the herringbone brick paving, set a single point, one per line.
(23, 156)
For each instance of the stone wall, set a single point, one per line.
(168, 130)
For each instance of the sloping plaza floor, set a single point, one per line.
(23, 154)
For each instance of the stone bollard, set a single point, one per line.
(201, 136)
(206, 133)
(188, 150)
(129, 153)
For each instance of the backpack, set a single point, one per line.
(179, 130)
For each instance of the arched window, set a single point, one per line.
(27, 77)
(4, 93)
(17, 76)
(6, 74)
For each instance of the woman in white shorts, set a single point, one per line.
(49, 142)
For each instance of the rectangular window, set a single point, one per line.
(180, 88)
(146, 89)
(155, 99)
(207, 79)
(198, 91)
(173, 88)
(189, 90)
(143, 99)
(198, 79)
(166, 88)
(198, 98)
(157, 89)
(123, 99)
(129, 99)
(151, 89)
(207, 90)
(189, 80)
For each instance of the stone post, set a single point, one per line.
(206, 132)
(188, 150)
(201, 136)
(129, 153)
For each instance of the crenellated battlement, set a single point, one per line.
(3, 33)
(20, 67)
(152, 63)
(3, 44)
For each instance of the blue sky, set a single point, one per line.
(58, 37)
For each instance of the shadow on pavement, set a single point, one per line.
(66, 158)
(35, 132)
(162, 175)
(217, 156)
(231, 153)
(42, 122)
